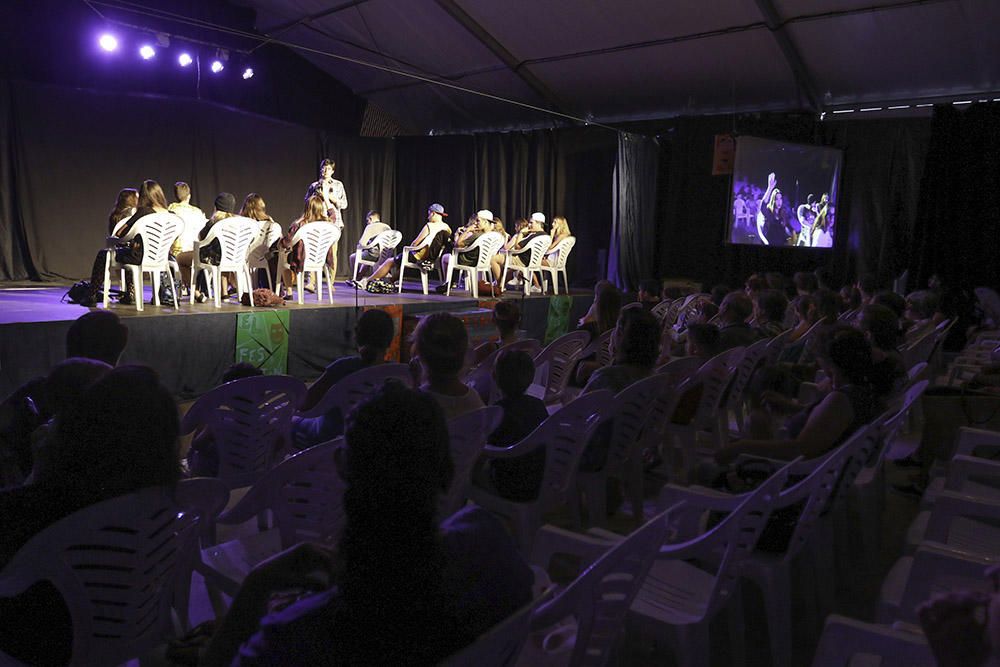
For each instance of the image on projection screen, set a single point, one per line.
(784, 194)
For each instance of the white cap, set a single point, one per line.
(538, 217)
(485, 215)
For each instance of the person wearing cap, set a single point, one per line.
(436, 229)
(479, 224)
(225, 207)
(535, 227)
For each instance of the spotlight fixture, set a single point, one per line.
(146, 51)
(248, 73)
(217, 66)
(108, 42)
(185, 59)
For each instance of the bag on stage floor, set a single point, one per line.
(80, 294)
(379, 286)
(262, 297)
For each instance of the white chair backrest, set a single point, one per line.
(387, 242)
(536, 248)
(480, 378)
(356, 387)
(660, 310)
(601, 596)
(637, 404)
(561, 253)
(158, 231)
(235, 235)
(753, 358)
(489, 244)
(715, 377)
(861, 445)
(249, 420)
(989, 301)
(846, 638)
(566, 434)
(118, 565)
(467, 437)
(604, 357)
(316, 237)
(561, 355)
(371, 232)
(680, 369)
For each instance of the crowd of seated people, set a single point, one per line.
(400, 585)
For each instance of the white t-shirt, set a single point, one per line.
(372, 230)
(456, 406)
(194, 220)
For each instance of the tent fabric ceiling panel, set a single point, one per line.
(922, 50)
(642, 58)
(553, 28)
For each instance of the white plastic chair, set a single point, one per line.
(351, 390)
(250, 422)
(555, 364)
(316, 238)
(563, 436)
(660, 310)
(753, 358)
(304, 494)
(467, 437)
(557, 264)
(234, 236)
(120, 565)
(678, 600)
(257, 255)
(680, 369)
(158, 231)
(480, 378)
(534, 250)
(407, 263)
(634, 430)
(846, 642)
(488, 245)
(385, 241)
(598, 600)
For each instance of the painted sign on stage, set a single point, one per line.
(262, 340)
(558, 323)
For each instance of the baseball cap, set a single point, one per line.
(485, 214)
(225, 202)
(538, 217)
(437, 208)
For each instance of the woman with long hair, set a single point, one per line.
(560, 232)
(408, 591)
(125, 205)
(269, 234)
(313, 211)
(150, 199)
(771, 225)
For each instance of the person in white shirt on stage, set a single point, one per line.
(373, 227)
(194, 219)
(436, 229)
(334, 198)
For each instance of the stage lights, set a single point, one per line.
(217, 66)
(248, 73)
(108, 42)
(185, 59)
(146, 52)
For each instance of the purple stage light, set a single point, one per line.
(108, 42)
(217, 66)
(248, 73)
(146, 51)
(184, 59)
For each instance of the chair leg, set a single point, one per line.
(329, 285)
(474, 283)
(301, 288)
(217, 284)
(402, 270)
(107, 278)
(154, 277)
(448, 276)
(173, 291)
(555, 282)
(250, 283)
(139, 291)
(423, 280)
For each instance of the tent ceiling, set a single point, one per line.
(618, 60)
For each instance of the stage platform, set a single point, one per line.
(193, 345)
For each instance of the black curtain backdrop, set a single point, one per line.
(958, 224)
(883, 162)
(633, 229)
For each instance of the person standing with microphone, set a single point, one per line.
(335, 198)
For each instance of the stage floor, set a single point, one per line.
(192, 346)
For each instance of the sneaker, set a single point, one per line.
(426, 265)
(534, 289)
(442, 288)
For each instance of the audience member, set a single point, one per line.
(649, 293)
(754, 284)
(373, 335)
(777, 281)
(703, 341)
(600, 319)
(203, 456)
(805, 283)
(99, 335)
(507, 319)
(769, 313)
(824, 279)
(850, 298)
(868, 285)
(734, 312)
(519, 478)
(892, 301)
(405, 591)
(881, 327)
(441, 343)
(921, 313)
(719, 293)
(120, 437)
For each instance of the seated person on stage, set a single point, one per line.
(373, 227)
(560, 232)
(120, 437)
(506, 318)
(478, 225)
(314, 211)
(264, 248)
(734, 312)
(769, 313)
(203, 457)
(400, 589)
(535, 227)
(194, 220)
(436, 230)
(125, 205)
(373, 334)
(440, 344)
(225, 205)
(516, 479)
(649, 293)
(151, 200)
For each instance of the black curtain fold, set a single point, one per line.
(957, 230)
(632, 255)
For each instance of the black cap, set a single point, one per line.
(225, 202)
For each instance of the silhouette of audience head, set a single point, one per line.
(373, 334)
(240, 371)
(506, 317)
(736, 308)
(702, 340)
(636, 338)
(771, 306)
(99, 335)
(513, 372)
(881, 325)
(69, 379)
(441, 342)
